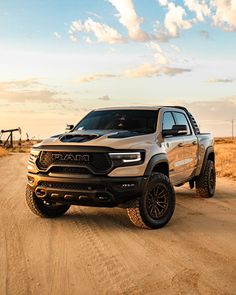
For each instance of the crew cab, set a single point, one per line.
(130, 157)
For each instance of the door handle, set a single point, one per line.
(194, 142)
(180, 144)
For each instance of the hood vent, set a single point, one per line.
(78, 137)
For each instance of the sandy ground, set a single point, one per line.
(98, 251)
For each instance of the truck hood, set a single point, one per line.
(106, 138)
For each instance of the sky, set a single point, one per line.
(59, 59)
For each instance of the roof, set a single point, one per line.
(130, 108)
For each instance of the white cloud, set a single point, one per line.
(144, 70)
(43, 96)
(200, 7)
(163, 2)
(94, 77)
(30, 90)
(151, 70)
(224, 15)
(159, 33)
(102, 32)
(175, 48)
(172, 71)
(19, 84)
(160, 58)
(159, 55)
(127, 17)
(57, 35)
(220, 80)
(72, 37)
(105, 97)
(154, 46)
(94, 14)
(174, 20)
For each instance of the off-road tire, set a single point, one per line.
(138, 211)
(38, 207)
(206, 181)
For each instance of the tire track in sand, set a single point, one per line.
(111, 274)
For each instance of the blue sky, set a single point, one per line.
(59, 59)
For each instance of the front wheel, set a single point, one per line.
(42, 208)
(206, 181)
(156, 206)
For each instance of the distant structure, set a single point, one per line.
(232, 128)
(8, 143)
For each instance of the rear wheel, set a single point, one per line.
(43, 209)
(206, 181)
(156, 206)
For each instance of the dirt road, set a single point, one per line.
(98, 251)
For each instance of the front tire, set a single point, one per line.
(206, 181)
(43, 209)
(156, 206)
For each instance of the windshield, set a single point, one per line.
(140, 121)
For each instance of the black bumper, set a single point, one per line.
(87, 191)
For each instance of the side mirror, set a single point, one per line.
(69, 127)
(176, 130)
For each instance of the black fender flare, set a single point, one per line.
(156, 159)
(209, 150)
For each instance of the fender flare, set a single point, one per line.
(156, 159)
(209, 150)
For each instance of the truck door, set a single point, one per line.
(174, 146)
(190, 144)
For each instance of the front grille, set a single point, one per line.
(73, 186)
(97, 162)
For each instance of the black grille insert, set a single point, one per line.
(98, 162)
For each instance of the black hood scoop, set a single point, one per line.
(78, 137)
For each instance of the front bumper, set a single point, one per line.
(87, 191)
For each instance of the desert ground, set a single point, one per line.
(98, 251)
(225, 150)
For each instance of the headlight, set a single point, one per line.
(33, 155)
(129, 157)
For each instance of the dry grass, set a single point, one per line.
(3, 152)
(225, 150)
(24, 147)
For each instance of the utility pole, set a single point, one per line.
(232, 129)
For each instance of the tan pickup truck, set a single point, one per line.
(129, 157)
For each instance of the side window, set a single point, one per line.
(181, 119)
(168, 121)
